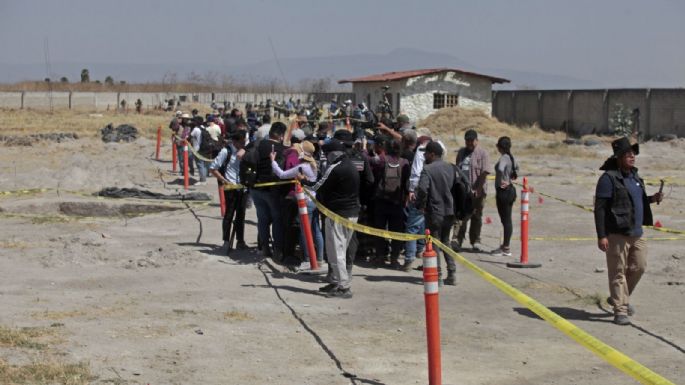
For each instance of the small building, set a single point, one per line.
(419, 93)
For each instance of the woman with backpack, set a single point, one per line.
(392, 175)
(306, 166)
(506, 171)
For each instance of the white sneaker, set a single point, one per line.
(200, 184)
(500, 252)
(477, 247)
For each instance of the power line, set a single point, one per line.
(278, 63)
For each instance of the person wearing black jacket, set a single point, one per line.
(434, 197)
(621, 209)
(338, 190)
(268, 201)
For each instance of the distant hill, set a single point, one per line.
(294, 69)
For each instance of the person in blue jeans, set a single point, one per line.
(415, 225)
(415, 219)
(268, 201)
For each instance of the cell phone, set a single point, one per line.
(661, 189)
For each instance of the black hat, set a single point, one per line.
(434, 148)
(470, 135)
(333, 145)
(622, 145)
(346, 137)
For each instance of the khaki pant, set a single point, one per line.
(626, 261)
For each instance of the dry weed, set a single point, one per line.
(452, 123)
(234, 315)
(95, 312)
(49, 372)
(24, 337)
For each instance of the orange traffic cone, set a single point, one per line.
(658, 224)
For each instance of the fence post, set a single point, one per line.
(222, 199)
(525, 198)
(186, 181)
(306, 227)
(159, 141)
(174, 154)
(432, 300)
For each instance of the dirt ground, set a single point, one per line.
(151, 300)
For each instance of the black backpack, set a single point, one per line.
(248, 167)
(462, 194)
(390, 185)
(224, 165)
(209, 148)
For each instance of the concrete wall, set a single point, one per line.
(111, 100)
(661, 111)
(414, 96)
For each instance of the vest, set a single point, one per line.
(620, 218)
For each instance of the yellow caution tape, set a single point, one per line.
(237, 186)
(665, 229)
(606, 352)
(197, 154)
(611, 355)
(667, 180)
(25, 191)
(361, 228)
(590, 209)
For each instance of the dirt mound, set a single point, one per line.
(29, 140)
(451, 123)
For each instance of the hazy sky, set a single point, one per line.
(618, 40)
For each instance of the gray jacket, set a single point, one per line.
(434, 192)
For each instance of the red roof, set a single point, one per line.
(389, 76)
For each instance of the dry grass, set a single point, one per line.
(450, 123)
(234, 315)
(50, 372)
(85, 124)
(13, 244)
(29, 338)
(43, 369)
(96, 312)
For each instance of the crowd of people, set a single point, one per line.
(391, 176)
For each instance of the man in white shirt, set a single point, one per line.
(229, 158)
(263, 130)
(213, 128)
(196, 141)
(415, 222)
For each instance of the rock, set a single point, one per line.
(591, 142)
(675, 256)
(600, 269)
(572, 141)
(666, 137)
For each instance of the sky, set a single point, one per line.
(631, 42)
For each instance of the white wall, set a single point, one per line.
(416, 94)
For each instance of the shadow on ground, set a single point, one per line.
(569, 314)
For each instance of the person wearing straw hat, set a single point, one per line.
(621, 209)
(307, 169)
